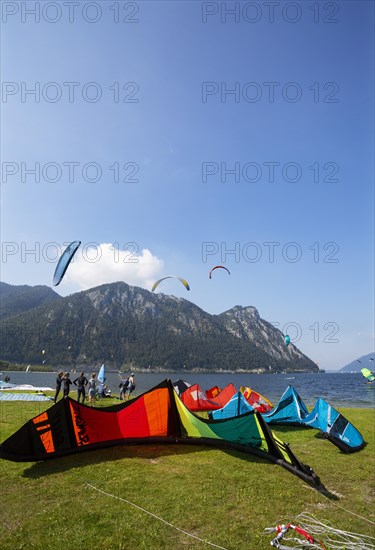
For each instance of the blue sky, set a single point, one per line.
(286, 158)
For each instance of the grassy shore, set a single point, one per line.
(221, 496)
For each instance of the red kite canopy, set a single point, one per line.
(217, 267)
(256, 400)
(195, 399)
(157, 416)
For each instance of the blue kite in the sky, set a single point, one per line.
(64, 262)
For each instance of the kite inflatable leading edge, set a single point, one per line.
(157, 416)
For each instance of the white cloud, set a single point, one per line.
(97, 264)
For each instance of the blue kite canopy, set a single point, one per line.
(335, 426)
(64, 262)
(235, 407)
(292, 410)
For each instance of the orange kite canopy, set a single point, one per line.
(256, 400)
(157, 416)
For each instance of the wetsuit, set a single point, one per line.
(82, 382)
(66, 385)
(58, 387)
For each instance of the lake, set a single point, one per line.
(340, 390)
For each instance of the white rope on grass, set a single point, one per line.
(349, 511)
(319, 535)
(335, 539)
(155, 516)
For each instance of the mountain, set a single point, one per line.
(360, 363)
(19, 299)
(120, 324)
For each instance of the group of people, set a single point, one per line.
(127, 386)
(93, 386)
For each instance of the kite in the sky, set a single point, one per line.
(64, 262)
(185, 283)
(370, 377)
(217, 267)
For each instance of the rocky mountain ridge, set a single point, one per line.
(124, 325)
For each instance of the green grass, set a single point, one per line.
(221, 496)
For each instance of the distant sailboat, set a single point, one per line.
(101, 375)
(28, 368)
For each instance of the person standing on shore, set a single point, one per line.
(131, 386)
(123, 387)
(92, 388)
(66, 384)
(58, 385)
(82, 382)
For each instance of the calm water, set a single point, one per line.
(340, 390)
